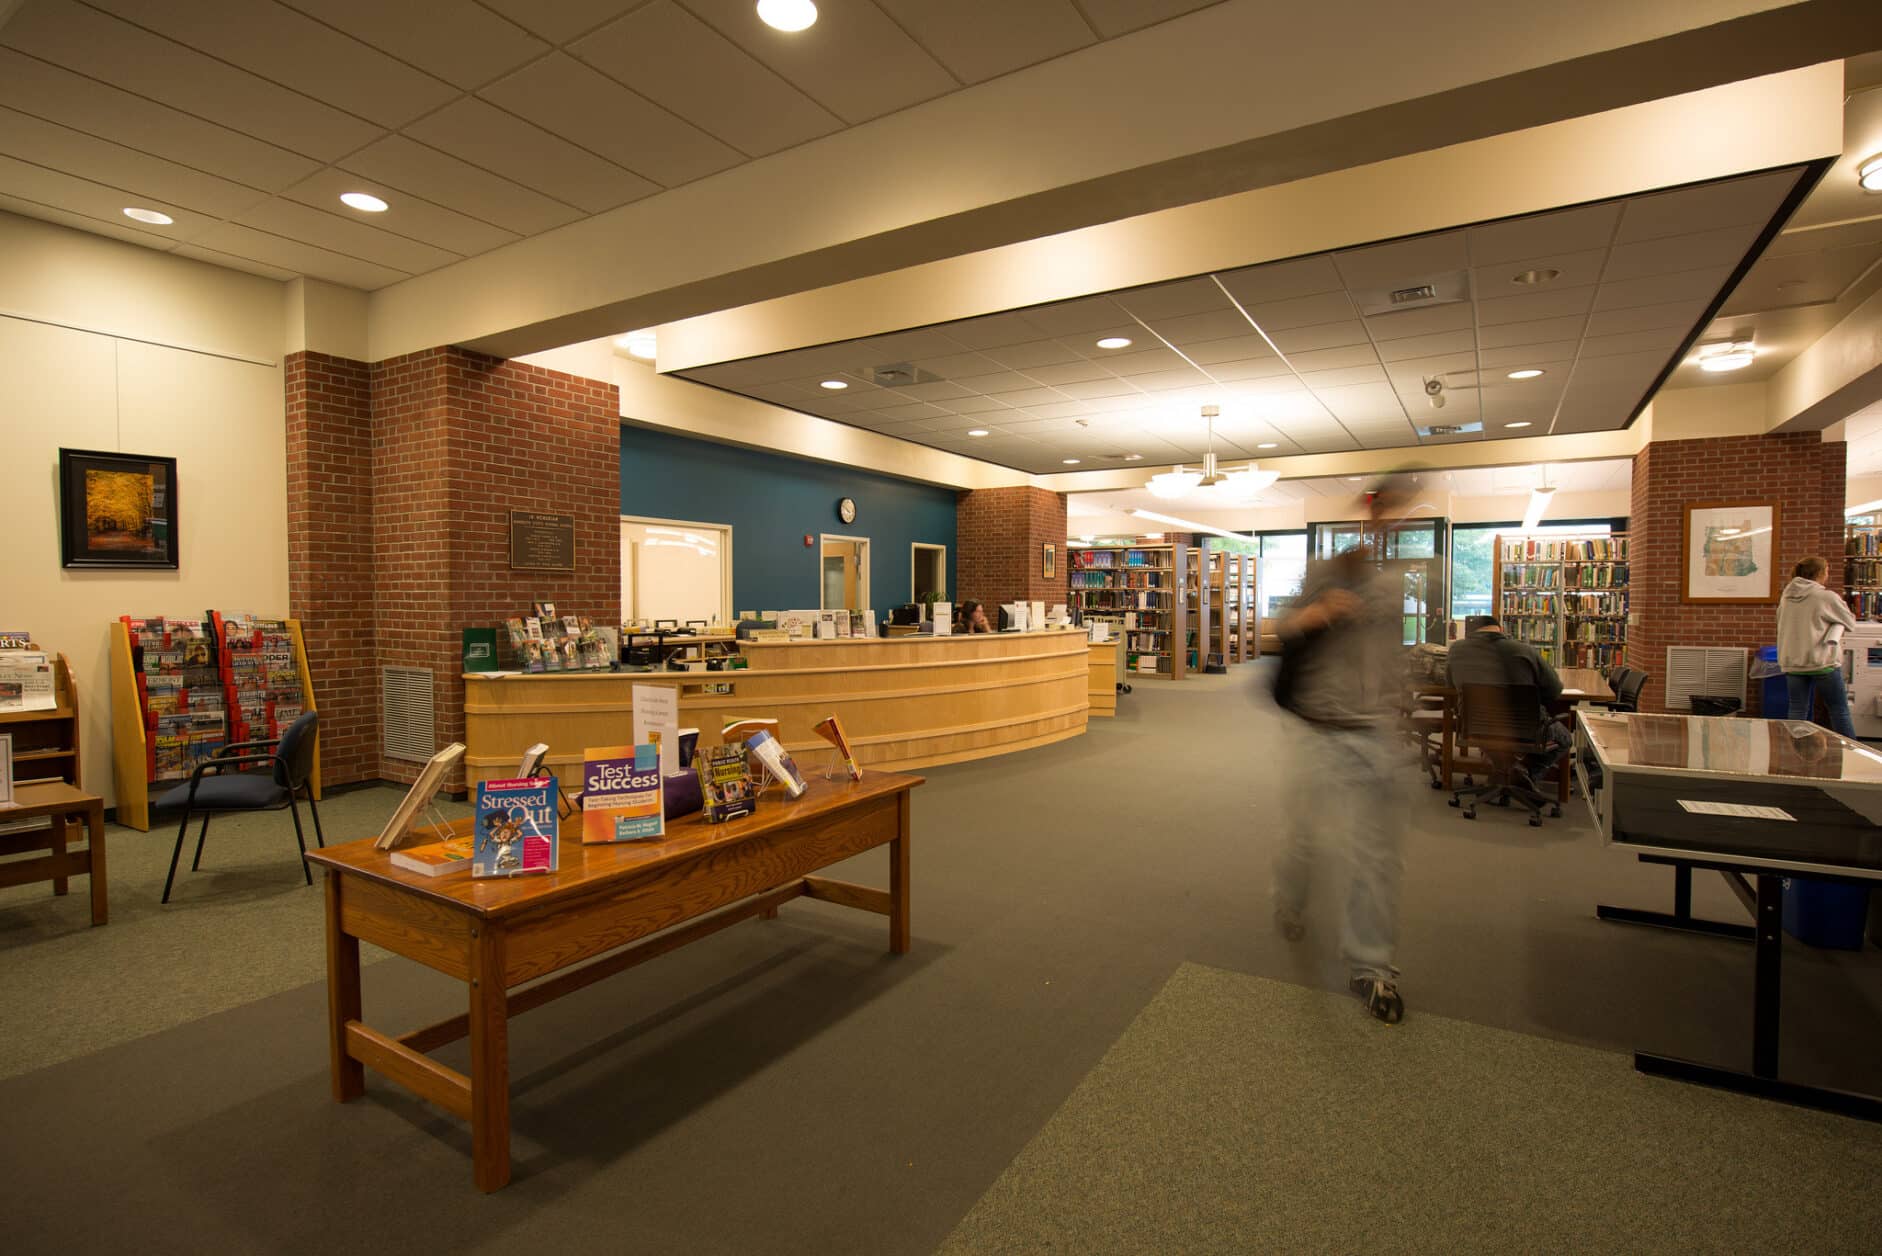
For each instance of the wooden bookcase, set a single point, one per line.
(1862, 569)
(130, 753)
(1138, 585)
(45, 743)
(1565, 595)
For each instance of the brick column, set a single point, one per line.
(1001, 534)
(1802, 472)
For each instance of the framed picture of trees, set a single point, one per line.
(117, 510)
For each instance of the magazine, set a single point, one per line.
(516, 828)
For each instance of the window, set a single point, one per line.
(1279, 570)
(1472, 561)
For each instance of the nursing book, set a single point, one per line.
(622, 799)
(516, 828)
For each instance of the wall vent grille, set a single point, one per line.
(408, 725)
(1706, 671)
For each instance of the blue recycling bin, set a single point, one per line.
(1825, 913)
(1774, 697)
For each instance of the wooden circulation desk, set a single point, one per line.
(906, 702)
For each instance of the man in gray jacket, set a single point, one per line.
(1486, 656)
(1811, 621)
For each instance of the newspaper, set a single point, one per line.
(26, 681)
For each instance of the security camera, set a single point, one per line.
(1434, 392)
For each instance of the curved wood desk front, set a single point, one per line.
(905, 702)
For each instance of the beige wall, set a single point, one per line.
(220, 417)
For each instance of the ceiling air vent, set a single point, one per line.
(901, 375)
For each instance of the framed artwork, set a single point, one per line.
(1049, 563)
(117, 510)
(1729, 552)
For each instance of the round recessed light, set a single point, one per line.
(1115, 342)
(978, 431)
(365, 202)
(1270, 444)
(834, 385)
(1528, 372)
(787, 15)
(150, 216)
(1547, 274)
(1518, 423)
(1070, 462)
(642, 344)
(1869, 174)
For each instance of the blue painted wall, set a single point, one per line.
(771, 501)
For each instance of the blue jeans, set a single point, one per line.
(1804, 691)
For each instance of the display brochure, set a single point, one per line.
(724, 784)
(6, 770)
(621, 796)
(26, 681)
(777, 761)
(434, 859)
(516, 828)
(942, 614)
(418, 797)
(830, 729)
(738, 728)
(657, 722)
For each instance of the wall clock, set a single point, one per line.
(846, 509)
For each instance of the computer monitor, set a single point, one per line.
(1006, 619)
(909, 614)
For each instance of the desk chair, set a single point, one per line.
(213, 788)
(1627, 690)
(1504, 724)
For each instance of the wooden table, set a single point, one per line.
(60, 804)
(495, 935)
(1579, 684)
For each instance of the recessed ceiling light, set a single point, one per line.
(1355, 477)
(1520, 423)
(1133, 457)
(1869, 174)
(1070, 462)
(978, 431)
(834, 385)
(787, 15)
(363, 201)
(1115, 342)
(642, 344)
(150, 216)
(1271, 444)
(1528, 372)
(1547, 274)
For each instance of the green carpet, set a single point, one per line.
(1238, 1115)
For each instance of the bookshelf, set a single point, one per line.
(1137, 588)
(1205, 595)
(1862, 569)
(45, 743)
(1567, 596)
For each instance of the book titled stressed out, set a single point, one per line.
(516, 828)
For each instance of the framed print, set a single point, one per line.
(1050, 563)
(1730, 552)
(116, 510)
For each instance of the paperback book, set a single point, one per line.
(516, 828)
(777, 761)
(621, 796)
(434, 859)
(724, 784)
(831, 730)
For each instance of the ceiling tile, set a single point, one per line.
(1724, 246)
(1544, 235)
(1070, 318)
(1141, 361)
(1173, 300)
(975, 405)
(303, 259)
(1663, 339)
(1527, 356)
(559, 21)
(1175, 377)
(296, 221)
(914, 410)
(979, 39)
(1687, 285)
(230, 261)
(410, 216)
(1330, 359)
(1023, 357)
(1099, 388)
(998, 382)
(92, 200)
(1532, 332)
(444, 180)
(1235, 349)
(1320, 336)
(1068, 373)
(586, 107)
(1338, 378)
(1282, 281)
(1748, 200)
(1190, 329)
(139, 174)
(1253, 368)
(295, 51)
(1326, 307)
(860, 64)
(102, 47)
(481, 133)
(1425, 346)
(1531, 306)
(1403, 324)
(954, 364)
(992, 330)
(1116, 17)
(1402, 262)
(674, 59)
(460, 41)
(100, 109)
(941, 391)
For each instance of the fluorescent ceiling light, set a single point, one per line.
(1115, 342)
(1528, 372)
(1187, 526)
(1133, 457)
(788, 15)
(1726, 355)
(1070, 462)
(1539, 499)
(364, 201)
(978, 431)
(150, 216)
(1272, 444)
(834, 385)
(1869, 174)
(642, 344)
(1518, 423)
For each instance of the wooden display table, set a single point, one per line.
(61, 804)
(495, 934)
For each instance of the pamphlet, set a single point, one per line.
(724, 784)
(777, 761)
(516, 828)
(26, 681)
(1741, 811)
(657, 723)
(622, 799)
(830, 729)
(943, 618)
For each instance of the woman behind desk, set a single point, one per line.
(974, 618)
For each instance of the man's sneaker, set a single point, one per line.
(1290, 923)
(1381, 998)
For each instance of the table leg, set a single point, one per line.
(1449, 751)
(343, 998)
(1768, 981)
(60, 884)
(95, 836)
(490, 1061)
(898, 880)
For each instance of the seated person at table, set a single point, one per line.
(974, 618)
(1485, 656)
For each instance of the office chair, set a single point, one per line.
(1627, 691)
(1504, 724)
(212, 789)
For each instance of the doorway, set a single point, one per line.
(845, 573)
(927, 572)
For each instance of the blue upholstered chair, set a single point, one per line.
(218, 786)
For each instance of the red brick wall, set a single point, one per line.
(1000, 535)
(1802, 472)
(330, 554)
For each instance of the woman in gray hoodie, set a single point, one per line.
(1811, 621)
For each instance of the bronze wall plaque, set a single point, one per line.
(540, 542)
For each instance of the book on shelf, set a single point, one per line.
(724, 783)
(515, 828)
(622, 799)
(434, 859)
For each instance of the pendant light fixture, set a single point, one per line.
(1234, 488)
